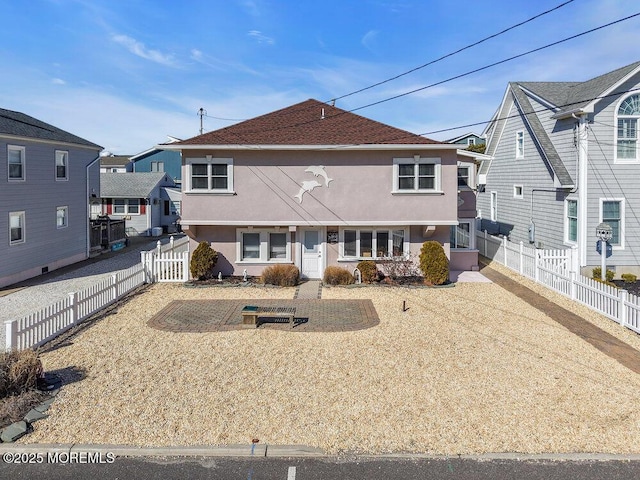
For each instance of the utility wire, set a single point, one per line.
(452, 53)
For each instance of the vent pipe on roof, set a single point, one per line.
(322, 116)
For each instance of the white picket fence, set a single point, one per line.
(558, 270)
(166, 263)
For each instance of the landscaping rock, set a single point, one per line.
(44, 406)
(34, 415)
(14, 431)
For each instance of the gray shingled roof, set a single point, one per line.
(129, 185)
(569, 96)
(114, 161)
(21, 125)
(543, 140)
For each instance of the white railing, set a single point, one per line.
(166, 263)
(557, 270)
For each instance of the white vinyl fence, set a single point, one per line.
(558, 270)
(166, 263)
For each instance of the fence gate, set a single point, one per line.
(555, 259)
(169, 266)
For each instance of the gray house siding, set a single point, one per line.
(46, 247)
(514, 215)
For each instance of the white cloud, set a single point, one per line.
(251, 7)
(139, 49)
(368, 40)
(260, 37)
(58, 81)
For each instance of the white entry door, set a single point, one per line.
(311, 254)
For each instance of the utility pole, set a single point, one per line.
(201, 113)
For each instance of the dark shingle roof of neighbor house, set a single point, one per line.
(305, 124)
(21, 125)
(130, 185)
(114, 161)
(569, 96)
(538, 131)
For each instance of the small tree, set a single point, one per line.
(203, 260)
(434, 263)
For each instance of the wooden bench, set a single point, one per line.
(254, 315)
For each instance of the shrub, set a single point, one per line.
(368, 271)
(400, 267)
(434, 263)
(19, 372)
(629, 277)
(337, 276)
(597, 271)
(203, 260)
(281, 275)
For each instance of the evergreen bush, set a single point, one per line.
(203, 261)
(597, 271)
(629, 277)
(434, 263)
(368, 271)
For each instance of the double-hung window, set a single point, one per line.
(62, 165)
(62, 217)
(463, 176)
(211, 175)
(157, 166)
(612, 212)
(416, 175)
(126, 206)
(16, 163)
(16, 228)
(263, 245)
(628, 113)
(520, 144)
(494, 206)
(373, 243)
(571, 221)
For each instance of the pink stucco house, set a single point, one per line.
(313, 185)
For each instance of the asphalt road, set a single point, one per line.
(328, 468)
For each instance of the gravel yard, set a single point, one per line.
(469, 369)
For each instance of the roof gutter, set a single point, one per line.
(569, 113)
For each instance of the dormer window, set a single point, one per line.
(627, 129)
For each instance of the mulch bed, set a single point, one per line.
(633, 288)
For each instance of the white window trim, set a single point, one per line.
(343, 258)
(417, 160)
(210, 160)
(470, 177)
(66, 166)
(471, 141)
(493, 208)
(615, 134)
(264, 246)
(622, 218)
(567, 241)
(24, 163)
(23, 223)
(472, 235)
(126, 206)
(66, 217)
(515, 194)
(519, 134)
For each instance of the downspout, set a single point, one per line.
(583, 142)
(88, 236)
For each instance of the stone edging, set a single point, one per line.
(18, 429)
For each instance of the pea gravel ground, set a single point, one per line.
(470, 369)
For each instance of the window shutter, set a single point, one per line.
(143, 207)
(109, 206)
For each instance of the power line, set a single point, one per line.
(452, 53)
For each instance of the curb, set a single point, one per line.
(299, 451)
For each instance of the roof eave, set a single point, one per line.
(570, 113)
(378, 146)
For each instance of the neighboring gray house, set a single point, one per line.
(467, 139)
(114, 163)
(313, 185)
(143, 200)
(158, 160)
(47, 180)
(565, 156)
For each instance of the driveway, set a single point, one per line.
(462, 370)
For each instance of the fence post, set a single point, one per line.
(536, 271)
(574, 260)
(73, 304)
(171, 242)
(484, 243)
(159, 247)
(521, 257)
(574, 285)
(114, 287)
(185, 263)
(10, 335)
(622, 308)
(504, 247)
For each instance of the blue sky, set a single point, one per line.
(125, 74)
